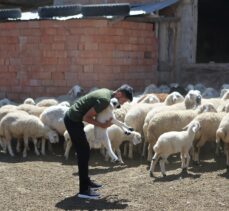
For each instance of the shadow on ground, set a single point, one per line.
(74, 203)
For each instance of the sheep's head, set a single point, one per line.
(173, 98)
(193, 99)
(137, 138)
(134, 136)
(76, 91)
(52, 136)
(114, 103)
(208, 107)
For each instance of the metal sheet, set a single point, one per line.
(150, 7)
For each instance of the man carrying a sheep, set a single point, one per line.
(85, 109)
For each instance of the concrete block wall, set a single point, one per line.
(48, 57)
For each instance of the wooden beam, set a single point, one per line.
(152, 19)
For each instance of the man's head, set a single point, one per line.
(124, 93)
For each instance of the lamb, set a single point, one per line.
(173, 142)
(20, 125)
(171, 121)
(223, 135)
(101, 133)
(116, 136)
(209, 123)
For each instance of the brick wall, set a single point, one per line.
(46, 58)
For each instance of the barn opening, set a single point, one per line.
(213, 33)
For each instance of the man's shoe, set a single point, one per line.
(94, 186)
(88, 194)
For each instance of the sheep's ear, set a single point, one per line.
(196, 127)
(185, 128)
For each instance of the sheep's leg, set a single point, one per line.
(119, 155)
(187, 160)
(120, 124)
(26, 143)
(196, 155)
(50, 148)
(3, 145)
(125, 149)
(103, 151)
(35, 146)
(106, 155)
(9, 147)
(153, 163)
(107, 145)
(8, 143)
(67, 149)
(18, 146)
(43, 146)
(227, 155)
(144, 149)
(130, 155)
(162, 166)
(182, 160)
(150, 152)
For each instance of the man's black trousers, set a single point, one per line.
(82, 148)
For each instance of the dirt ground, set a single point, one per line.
(50, 183)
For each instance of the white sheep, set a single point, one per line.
(171, 121)
(209, 123)
(222, 134)
(21, 125)
(53, 117)
(47, 102)
(101, 133)
(135, 119)
(173, 142)
(116, 135)
(31, 109)
(29, 101)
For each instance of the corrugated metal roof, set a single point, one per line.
(150, 7)
(139, 9)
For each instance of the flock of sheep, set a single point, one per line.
(163, 121)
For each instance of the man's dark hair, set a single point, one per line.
(127, 91)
